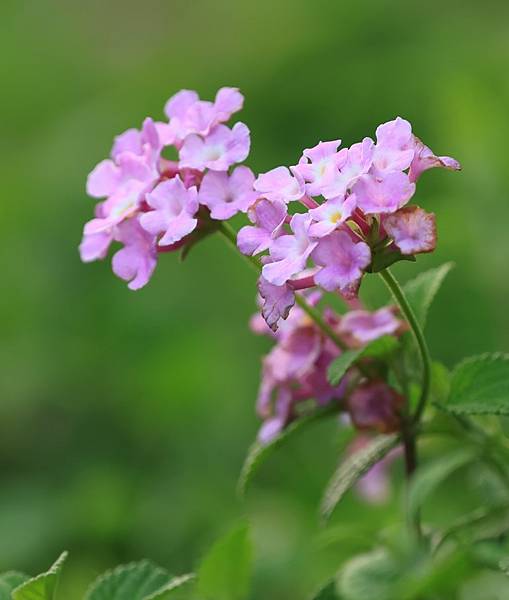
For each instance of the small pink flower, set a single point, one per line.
(268, 218)
(276, 302)
(289, 253)
(394, 149)
(330, 214)
(385, 195)
(374, 405)
(362, 326)
(189, 115)
(358, 162)
(136, 261)
(319, 166)
(175, 207)
(226, 195)
(280, 185)
(412, 229)
(424, 159)
(142, 143)
(222, 148)
(342, 260)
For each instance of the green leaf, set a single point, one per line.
(381, 347)
(225, 572)
(259, 453)
(167, 590)
(135, 581)
(368, 577)
(480, 386)
(440, 382)
(353, 467)
(421, 290)
(429, 477)
(9, 581)
(42, 587)
(327, 593)
(341, 364)
(378, 349)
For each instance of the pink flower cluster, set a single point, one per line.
(295, 370)
(356, 215)
(150, 204)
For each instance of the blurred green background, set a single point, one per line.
(124, 417)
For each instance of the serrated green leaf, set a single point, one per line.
(480, 386)
(353, 467)
(429, 477)
(9, 581)
(136, 581)
(327, 593)
(258, 453)
(421, 290)
(225, 572)
(42, 587)
(167, 590)
(369, 576)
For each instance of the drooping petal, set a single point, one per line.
(425, 159)
(277, 302)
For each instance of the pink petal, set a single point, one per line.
(412, 229)
(277, 302)
(424, 159)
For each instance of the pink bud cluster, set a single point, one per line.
(294, 372)
(150, 204)
(356, 217)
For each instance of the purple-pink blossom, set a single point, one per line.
(342, 260)
(218, 151)
(174, 211)
(289, 253)
(268, 219)
(360, 327)
(280, 184)
(226, 195)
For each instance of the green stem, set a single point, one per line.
(407, 311)
(313, 313)
(411, 422)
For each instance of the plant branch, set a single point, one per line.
(407, 311)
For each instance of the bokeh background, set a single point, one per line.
(125, 417)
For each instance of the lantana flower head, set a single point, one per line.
(142, 191)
